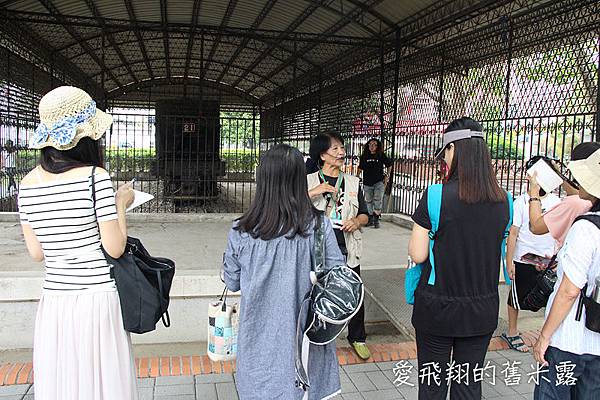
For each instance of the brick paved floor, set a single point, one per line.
(359, 381)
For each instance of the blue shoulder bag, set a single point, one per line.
(434, 206)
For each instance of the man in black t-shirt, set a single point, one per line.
(372, 163)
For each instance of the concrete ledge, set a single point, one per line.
(9, 217)
(17, 286)
(191, 293)
(399, 219)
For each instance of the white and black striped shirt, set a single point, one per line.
(61, 214)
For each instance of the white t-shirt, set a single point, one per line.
(579, 259)
(527, 242)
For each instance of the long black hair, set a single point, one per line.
(87, 152)
(281, 204)
(472, 166)
(366, 152)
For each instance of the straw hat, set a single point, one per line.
(587, 173)
(68, 114)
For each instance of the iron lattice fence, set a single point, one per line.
(528, 70)
(531, 80)
(182, 175)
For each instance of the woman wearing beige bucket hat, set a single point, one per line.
(81, 350)
(567, 340)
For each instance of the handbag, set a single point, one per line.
(544, 285)
(223, 323)
(143, 283)
(336, 295)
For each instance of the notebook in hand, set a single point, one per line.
(139, 199)
(547, 177)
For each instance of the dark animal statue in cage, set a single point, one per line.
(187, 146)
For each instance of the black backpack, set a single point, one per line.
(143, 283)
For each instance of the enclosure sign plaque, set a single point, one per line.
(189, 127)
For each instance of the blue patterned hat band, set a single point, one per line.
(63, 132)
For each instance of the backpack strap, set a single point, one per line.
(505, 236)
(593, 218)
(93, 178)
(434, 208)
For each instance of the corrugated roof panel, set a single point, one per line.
(398, 11)
(28, 6)
(147, 10)
(72, 7)
(318, 22)
(245, 13)
(21, 5)
(180, 11)
(112, 9)
(282, 14)
(211, 12)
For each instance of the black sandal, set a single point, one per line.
(516, 343)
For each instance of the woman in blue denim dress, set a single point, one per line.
(268, 258)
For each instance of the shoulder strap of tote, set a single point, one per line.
(94, 189)
(434, 208)
(318, 254)
(509, 199)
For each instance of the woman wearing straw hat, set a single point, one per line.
(81, 350)
(566, 347)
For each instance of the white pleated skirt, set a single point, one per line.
(81, 351)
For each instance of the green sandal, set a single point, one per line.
(516, 343)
